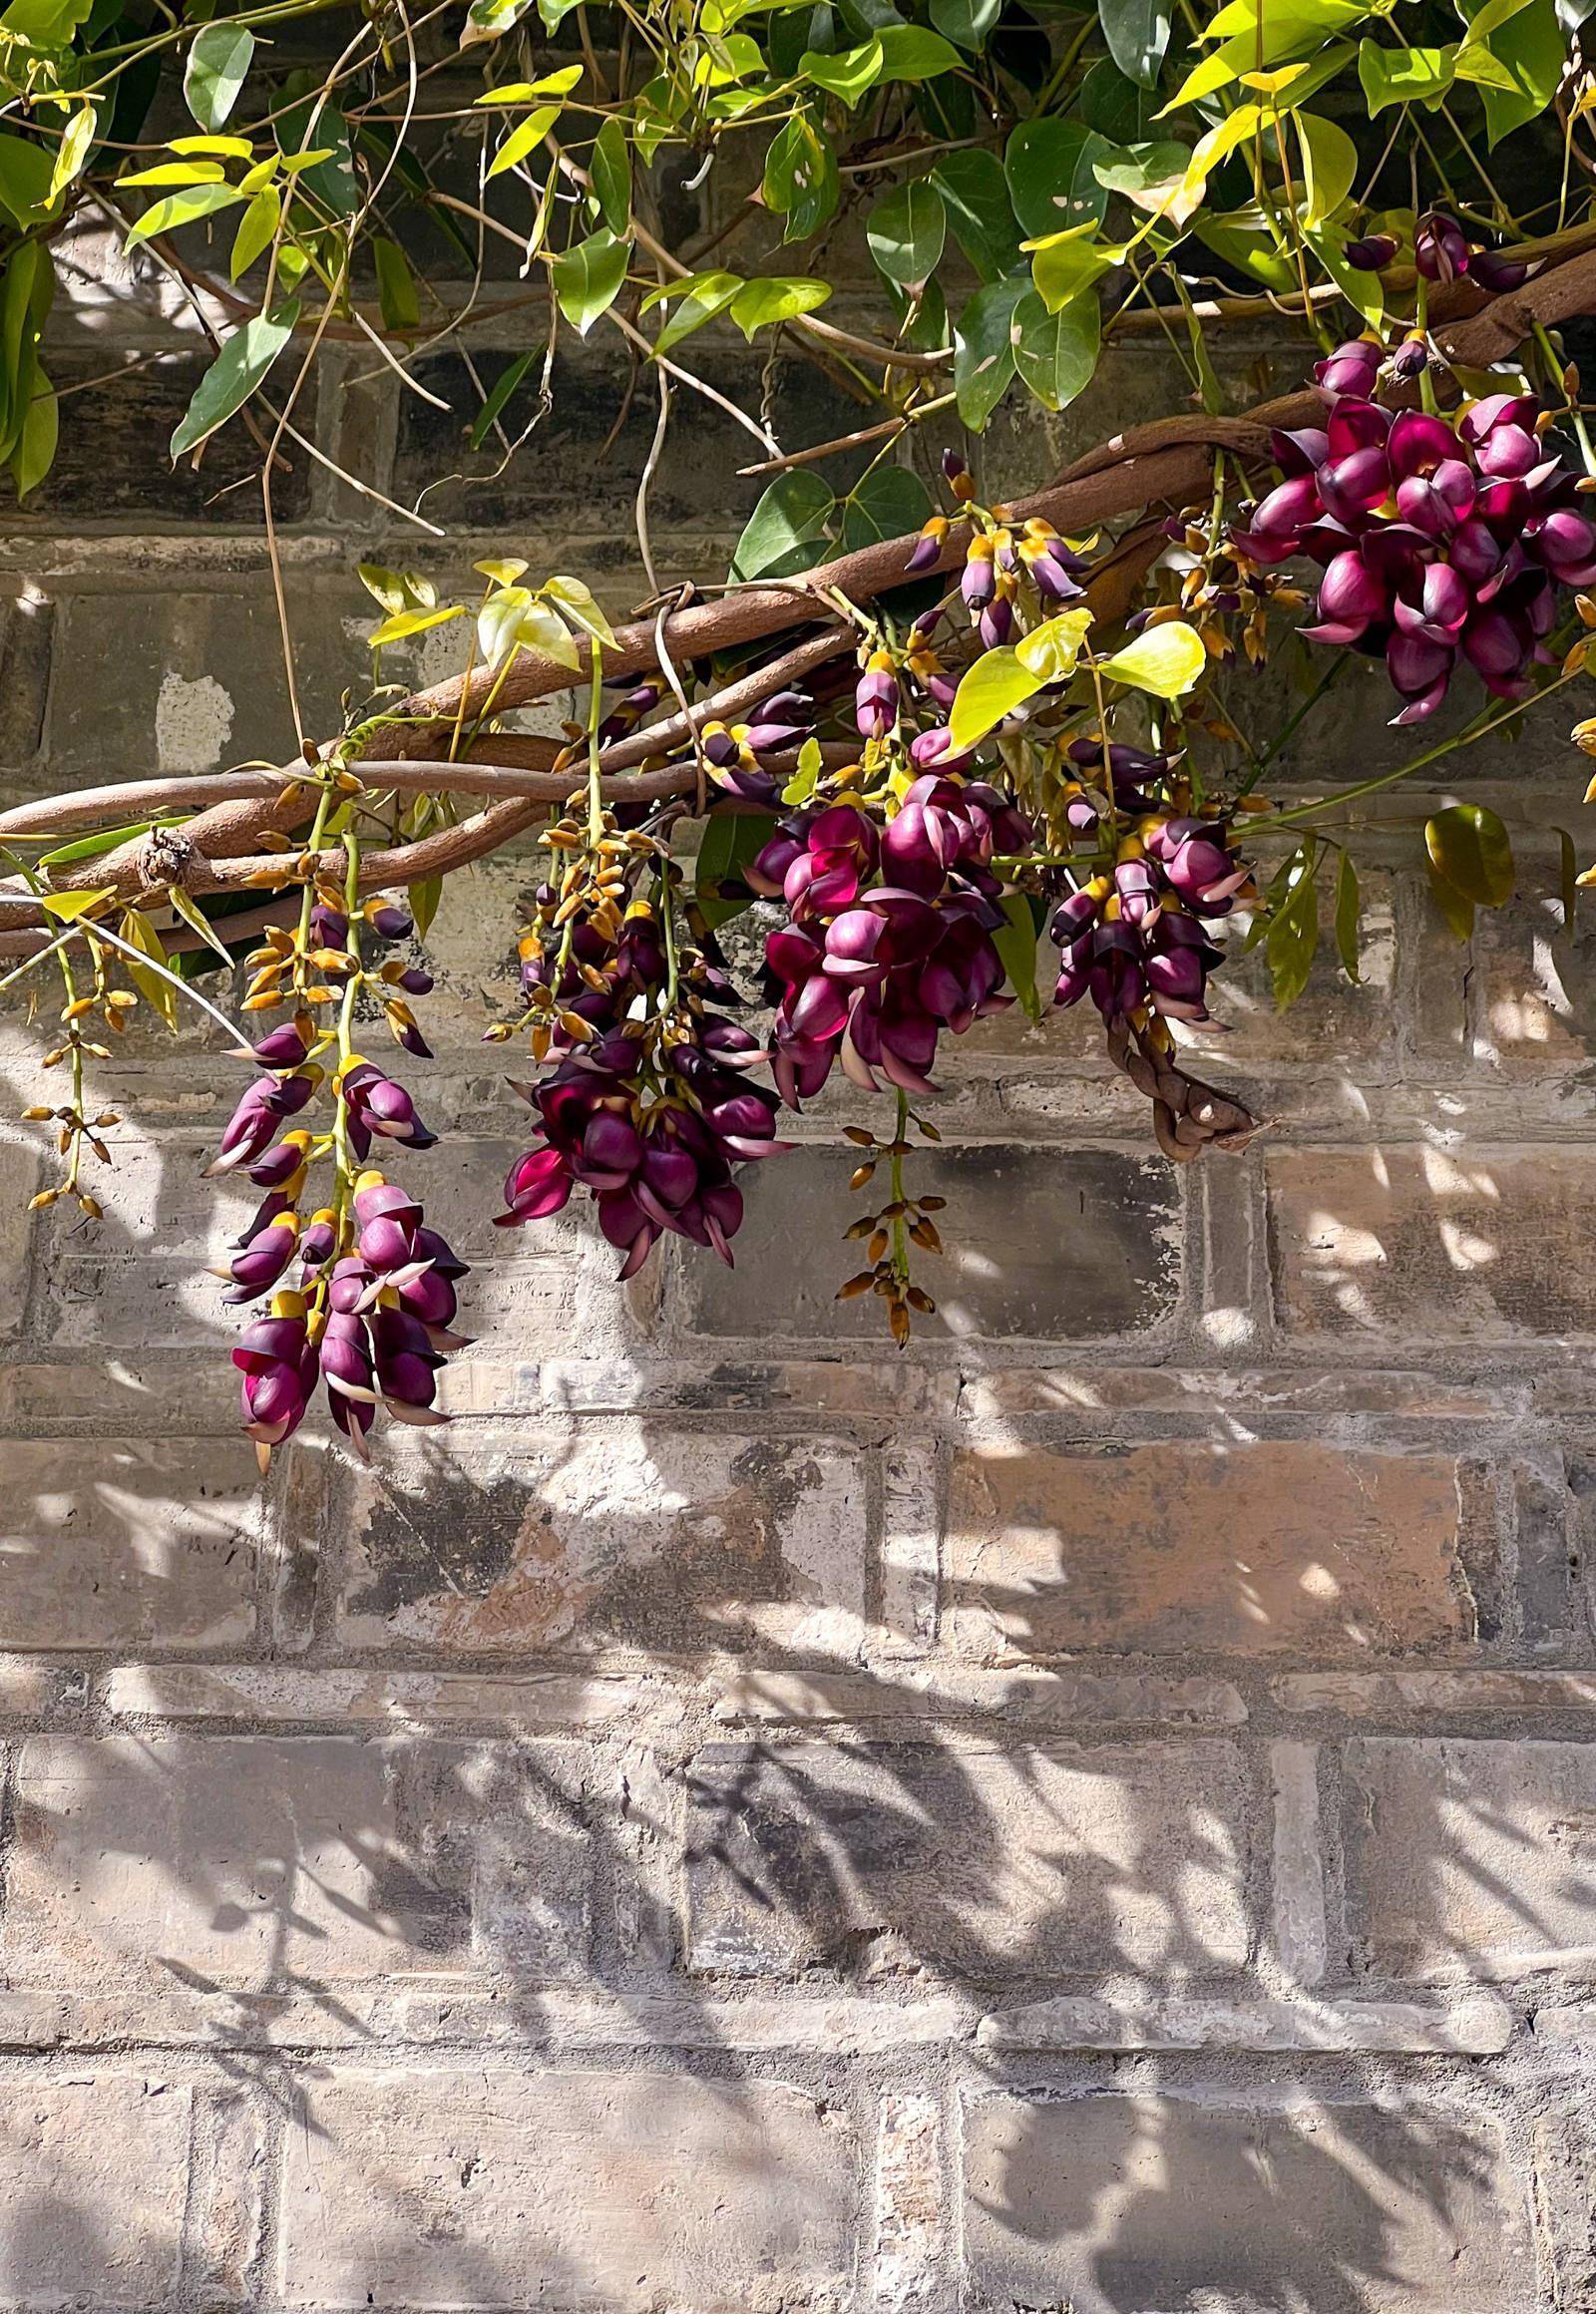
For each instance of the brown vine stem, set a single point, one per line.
(1167, 460)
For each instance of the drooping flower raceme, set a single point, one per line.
(1439, 542)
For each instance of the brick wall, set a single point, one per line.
(1097, 1813)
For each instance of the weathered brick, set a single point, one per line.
(619, 2193)
(555, 480)
(1532, 989)
(189, 682)
(1486, 1246)
(111, 463)
(135, 1544)
(623, 1530)
(1035, 1861)
(1471, 1858)
(92, 2184)
(241, 1858)
(1255, 1548)
(1081, 1244)
(1111, 2203)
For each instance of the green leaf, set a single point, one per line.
(805, 780)
(488, 19)
(1166, 661)
(90, 846)
(554, 84)
(786, 531)
(408, 623)
(183, 209)
(587, 279)
(1568, 866)
(1137, 33)
(1293, 937)
(1532, 50)
(997, 683)
(1015, 942)
(1051, 651)
(800, 183)
(514, 619)
(397, 590)
(1152, 178)
(35, 453)
(1116, 108)
(1049, 166)
(255, 230)
(1346, 914)
(217, 66)
(578, 601)
(212, 148)
(1065, 267)
(524, 137)
(1329, 166)
(159, 994)
(890, 501)
(776, 297)
(498, 394)
(176, 173)
(730, 841)
(198, 921)
(1056, 353)
(67, 907)
(396, 285)
(968, 23)
(1456, 911)
(1470, 849)
(910, 53)
(25, 174)
(905, 233)
(1404, 76)
(234, 374)
(702, 297)
(984, 350)
(975, 194)
(611, 171)
(73, 151)
(45, 24)
(847, 77)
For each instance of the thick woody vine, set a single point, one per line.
(942, 753)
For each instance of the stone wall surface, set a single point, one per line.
(1097, 1813)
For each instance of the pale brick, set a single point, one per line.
(130, 1544)
(244, 1858)
(1533, 989)
(1116, 2204)
(1036, 1861)
(1486, 1246)
(619, 2193)
(92, 2182)
(1471, 1858)
(1075, 1244)
(1254, 1548)
(624, 1530)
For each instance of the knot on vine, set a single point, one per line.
(169, 859)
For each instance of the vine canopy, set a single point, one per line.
(924, 751)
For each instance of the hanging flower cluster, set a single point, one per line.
(1439, 542)
(362, 1292)
(646, 1100)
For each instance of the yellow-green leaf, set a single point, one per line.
(1470, 849)
(524, 139)
(1165, 661)
(407, 623)
(141, 934)
(67, 907)
(1049, 651)
(554, 84)
(997, 683)
(255, 230)
(1329, 166)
